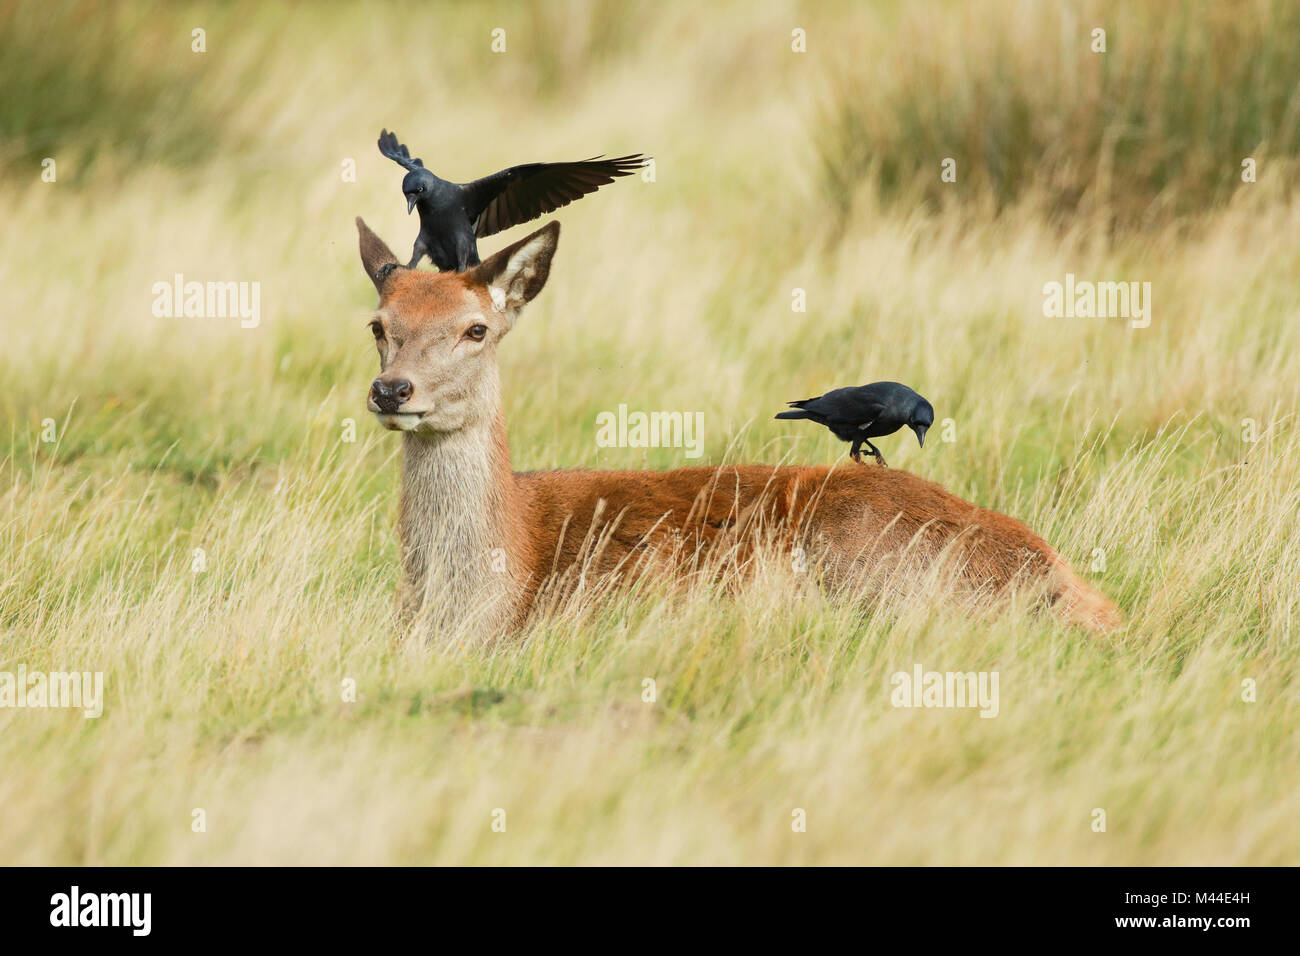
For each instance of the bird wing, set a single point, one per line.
(844, 406)
(521, 193)
(397, 152)
(865, 415)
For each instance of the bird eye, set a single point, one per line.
(476, 332)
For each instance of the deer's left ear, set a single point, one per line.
(515, 275)
(376, 257)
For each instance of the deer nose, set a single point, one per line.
(390, 396)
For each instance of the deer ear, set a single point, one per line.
(377, 258)
(517, 273)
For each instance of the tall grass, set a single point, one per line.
(91, 81)
(1126, 448)
(1024, 99)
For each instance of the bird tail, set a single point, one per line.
(795, 414)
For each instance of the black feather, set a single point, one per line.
(861, 413)
(453, 217)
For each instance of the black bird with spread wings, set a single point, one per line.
(860, 413)
(454, 216)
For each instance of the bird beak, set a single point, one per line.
(410, 204)
(920, 435)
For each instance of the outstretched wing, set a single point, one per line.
(521, 193)
(397, 152)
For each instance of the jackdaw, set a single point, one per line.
(862, 412)
(454, 216)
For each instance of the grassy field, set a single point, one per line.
(1163, 462)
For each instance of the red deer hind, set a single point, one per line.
(480, 541)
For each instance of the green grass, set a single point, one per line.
(225, 687)
(1156, 125)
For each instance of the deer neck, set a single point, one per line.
(457, 497)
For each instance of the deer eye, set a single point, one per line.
(476, 332)
(377, 330)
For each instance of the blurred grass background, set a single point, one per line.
(775, 171)
(1137, 134)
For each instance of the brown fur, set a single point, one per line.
(464, 508)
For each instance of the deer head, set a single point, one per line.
(437, 332)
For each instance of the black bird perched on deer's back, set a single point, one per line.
(454, 216)
(867, 411)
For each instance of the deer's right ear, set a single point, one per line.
(517, 273)
(375, 256)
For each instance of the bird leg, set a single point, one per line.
(856, 452)
(418, 253)
(467, 258)
(880, 459)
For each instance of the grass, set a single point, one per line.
(1155, 124)
(225, 687)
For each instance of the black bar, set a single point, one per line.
(333, 906)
